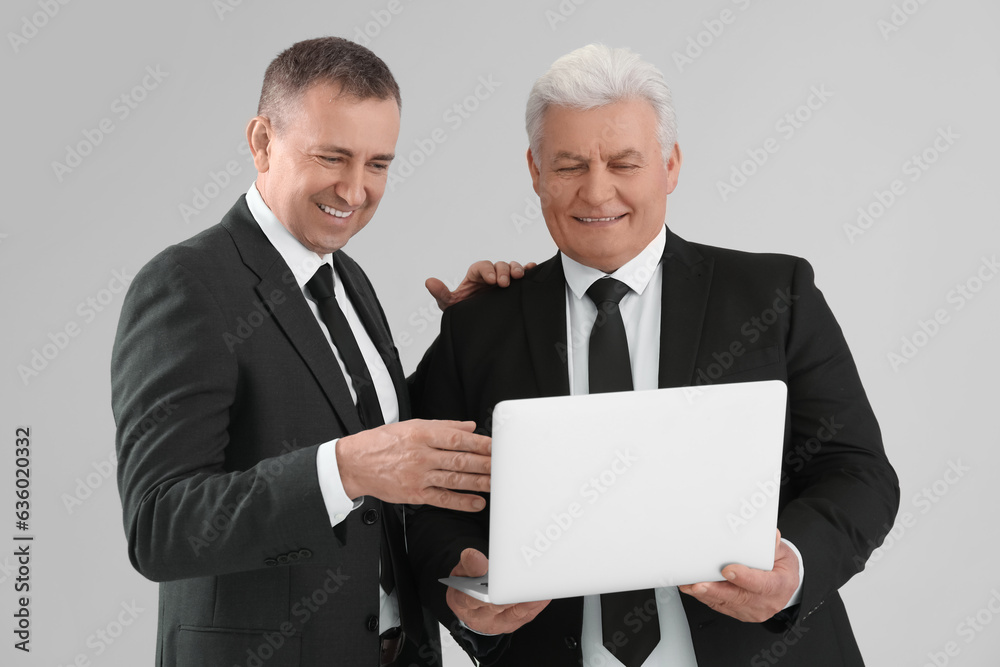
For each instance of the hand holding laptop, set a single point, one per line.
(483, 617)
(701, 464)
(751, 595)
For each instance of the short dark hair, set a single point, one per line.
(359, 72)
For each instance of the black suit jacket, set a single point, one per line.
(223, 387)
(727, 316)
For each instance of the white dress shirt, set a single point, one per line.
(303, 263)
(640, 309)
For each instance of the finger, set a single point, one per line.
(461, 602)
(539, 604)
(516, 270)
(439, 291)
(530, 609)
(735, 602)
(474, 563)
(530, 265)
(450, 500)
(502, 618)
(461, 440)
(755, 581)
(503, 273)
(458, 481)
(520, 613)
(464, 606)
(707, 588)
(785, 558)
(715, 594)
(447, 424)
(482, 271)
(458, 461)
(694, 590)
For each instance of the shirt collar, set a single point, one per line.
(301, 260)
(636, 273)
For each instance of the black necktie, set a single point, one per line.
(321, 288)
(611, 370)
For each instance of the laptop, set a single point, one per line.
(621, 491)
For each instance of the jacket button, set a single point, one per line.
(270, 562)
(372, 623)
(571, 643)
(282, 559)
(370, 517)
(305, 553)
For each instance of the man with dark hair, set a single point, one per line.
(265, 502)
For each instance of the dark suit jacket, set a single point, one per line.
(727, 316)
(223, 387)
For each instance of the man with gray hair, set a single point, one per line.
(603, 158)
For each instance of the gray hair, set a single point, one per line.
(597, 75)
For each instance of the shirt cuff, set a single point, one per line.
(797, 595)
(338, 505)
(481, 634)
(482, 645)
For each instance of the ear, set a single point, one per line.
(674, 167)
(535, 173)
(259, 136)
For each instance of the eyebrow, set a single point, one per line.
(346, 152)
(620, 155)
(628, 153)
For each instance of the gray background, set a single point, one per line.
(64, 235)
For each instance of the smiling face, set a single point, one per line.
(602, 182)
(324, 173)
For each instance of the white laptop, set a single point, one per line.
(629, 490)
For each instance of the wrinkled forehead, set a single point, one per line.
(612, 129)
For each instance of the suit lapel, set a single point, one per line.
(363, 298)
(545, 327)
(290, 311)
(687, 277)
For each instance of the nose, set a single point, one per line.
(351, 186)
(596, 188)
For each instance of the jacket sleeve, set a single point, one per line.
(174, 383)
(436, 537)
(840, 494)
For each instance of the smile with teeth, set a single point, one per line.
(334, 212)
(600, 219)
